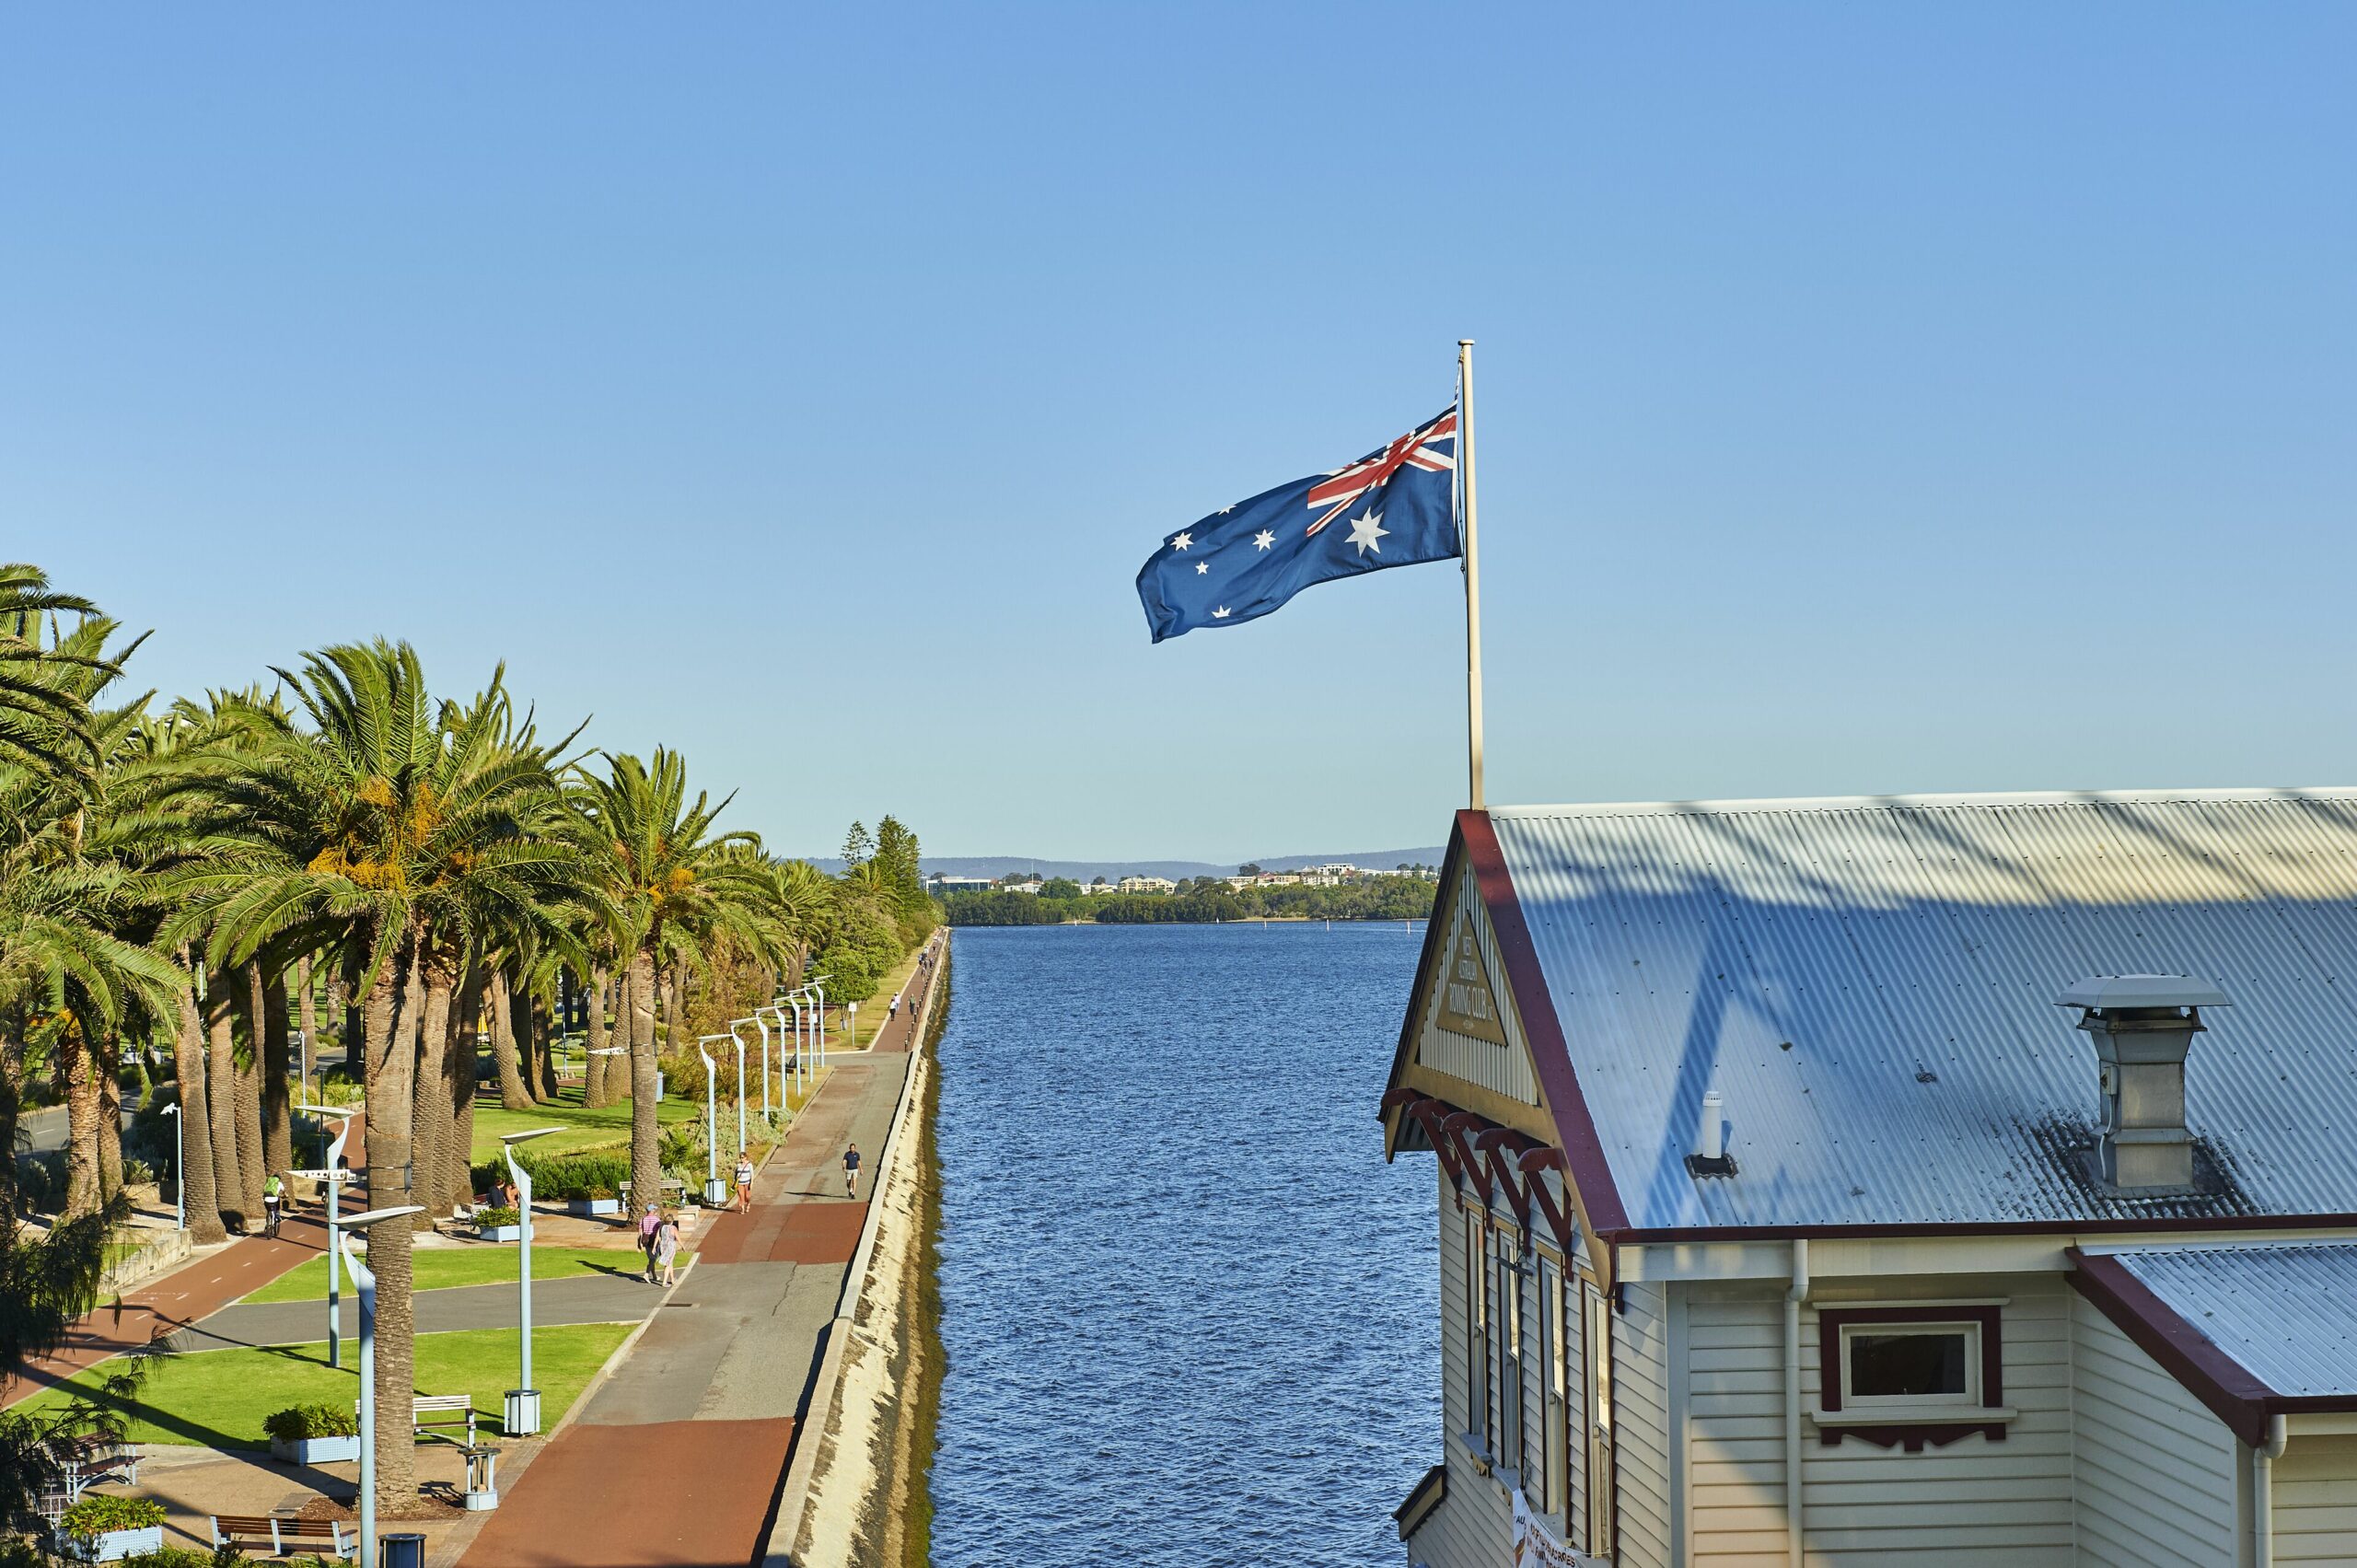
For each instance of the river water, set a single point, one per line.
(1192, 1317)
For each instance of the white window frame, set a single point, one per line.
(1968, 1399)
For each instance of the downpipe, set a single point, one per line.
(1799, 1292)
(2263, 1489)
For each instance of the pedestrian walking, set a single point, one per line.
(851, 1171)
(744, 1182)
(649, 1224)
(667, 1247)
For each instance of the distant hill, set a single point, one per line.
(1177, 870)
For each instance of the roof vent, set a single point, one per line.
(1710, 1157)
(2142, 1026)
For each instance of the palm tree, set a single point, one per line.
(674, 887)
(384, 832)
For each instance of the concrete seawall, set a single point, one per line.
(856, 1470)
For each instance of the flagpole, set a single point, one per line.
(1473, 572)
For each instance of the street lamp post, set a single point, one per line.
(851, 1025)
(340, 1239)
(180, 1168)
(795, 1001)
(522, 1416)
(713, 1197)
(756, 1021)
(733, 1023)
(819, 985)
(333, 1181)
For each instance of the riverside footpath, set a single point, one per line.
(680, 1456)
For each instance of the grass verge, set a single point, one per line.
(218, 1399)
(439, 1268)
(581, 1127)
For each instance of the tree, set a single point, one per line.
(1249, 868)
(858, 848)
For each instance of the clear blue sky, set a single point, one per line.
(1874, 397)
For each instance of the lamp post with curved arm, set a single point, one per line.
(819, 984)
(760, 1024)
(180, 1175)
(334, 1183)
(713, 1196)
(340, 1239)
(522, 1416)
(734, 1024)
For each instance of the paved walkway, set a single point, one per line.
(698, 1424)
(621, 1297)
(218, 1276)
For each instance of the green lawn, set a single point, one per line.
(218, 1399)
(581, 1127)
(439, 1268)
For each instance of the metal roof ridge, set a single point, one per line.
(1988, 799)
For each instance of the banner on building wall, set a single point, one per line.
(1535, 1545)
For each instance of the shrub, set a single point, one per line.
(340, 1089)
(136, 1172)
(96, 1515)
(41, 1180)
(297, 1423)
(488, 1218)
(586, 1173)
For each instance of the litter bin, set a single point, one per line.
(406, 1550)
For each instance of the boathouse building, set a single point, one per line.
(1929, 1181)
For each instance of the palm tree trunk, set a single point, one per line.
(78, 1065)
(593, 1070)
(646, 1156)
(277, 1127)
(433, 1125)
(459, 1068)
(544, 1046)
(200, 1190)
(618, 1067)
(110, 1055)
(221, 1095)
(250, 1151)
(520, 1029)
(390, 1040)
(513, 1094)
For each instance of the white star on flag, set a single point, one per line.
(1264, 538)
(1202, 567)
(1364, 531)
(1182, 541)
(1221, 613)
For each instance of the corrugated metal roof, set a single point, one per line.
(1871, 984)
(2283, 1312)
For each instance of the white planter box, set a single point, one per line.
(500, 1232)
(115, 1545)
(318, 1450)
(593, 1206)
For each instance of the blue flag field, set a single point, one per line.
(1393, 507)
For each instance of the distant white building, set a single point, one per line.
(1148, 884)
(1033, 885)
(939, 883)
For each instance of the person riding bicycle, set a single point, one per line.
(273, 1201)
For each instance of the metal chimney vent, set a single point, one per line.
(2143, 1027)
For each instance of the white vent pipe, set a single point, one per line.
(1712, 1143)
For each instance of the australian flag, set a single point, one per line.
(1393, 507)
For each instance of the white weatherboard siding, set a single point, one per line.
(1641, 1426)
(1972, 1502)
(2156, 1472)
(2315, 1501)
(1473, 1527)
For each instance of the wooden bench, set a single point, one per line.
(433, 1412)
(235, 1530)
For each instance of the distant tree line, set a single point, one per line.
(1202, 901)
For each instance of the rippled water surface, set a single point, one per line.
(1191, 1316)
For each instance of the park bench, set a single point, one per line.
(237, 1529)
(82, 1463)
(436, 1411)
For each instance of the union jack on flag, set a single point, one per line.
(1396, 505)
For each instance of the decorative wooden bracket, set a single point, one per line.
(1534, 1163)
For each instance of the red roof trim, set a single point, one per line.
(1542, 1027)
(2209, 1373)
